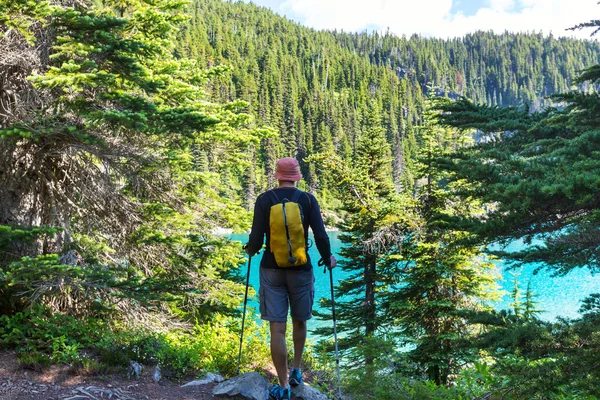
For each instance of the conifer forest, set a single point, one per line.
(133, 132)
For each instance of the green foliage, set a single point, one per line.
(21, 236)
(538, 359)
(398, 387)
(538, 171)
(44, 338)
(20, 15)
(13, 238)
(441, 280)
(89, 289)
(390, 382)
(114, 140)
(179, 353)
(113, 148)
(377, 217)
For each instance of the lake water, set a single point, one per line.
(557, 296)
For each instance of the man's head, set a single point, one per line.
(288, 170)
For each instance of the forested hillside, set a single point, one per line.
(313, 87)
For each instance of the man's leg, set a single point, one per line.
(302, 291)
(299, 335)
(274, 308)
(279, 351)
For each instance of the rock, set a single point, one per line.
(135, 369)
(156, 376)
(307, 392)
(251, 386)
(208, 378)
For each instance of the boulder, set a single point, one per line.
(156, 376)
(252, 386)
(135, 369)
(208, 378)
(306, 392)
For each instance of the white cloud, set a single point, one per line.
(434, 17)
(502, 5)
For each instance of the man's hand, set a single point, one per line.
(245, 247)
(332, 262)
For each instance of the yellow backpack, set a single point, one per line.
(287, 231)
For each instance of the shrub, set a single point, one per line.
(42, 338)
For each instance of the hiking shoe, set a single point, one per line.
(279, 393)
(295, 377)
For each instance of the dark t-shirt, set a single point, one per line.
(312, 219)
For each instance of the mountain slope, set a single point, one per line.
(313, 87)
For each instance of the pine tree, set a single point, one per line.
(539, 171)
(372, 232)
(110, 162)
(442, 279)
(530, 305)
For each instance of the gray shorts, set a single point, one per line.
(280, 287)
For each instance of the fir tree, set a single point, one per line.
(517, 305)
(109, 151)
(442, 280)
(372, 232)
(539, 171)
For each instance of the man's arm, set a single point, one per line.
(321, 237)
(257, 234)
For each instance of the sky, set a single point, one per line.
(440, 18)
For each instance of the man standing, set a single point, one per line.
(293, 285)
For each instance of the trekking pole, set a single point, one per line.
(244, 315)
(337, 358)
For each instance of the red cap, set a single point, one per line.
(288, 169)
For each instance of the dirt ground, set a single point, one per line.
(61, 383)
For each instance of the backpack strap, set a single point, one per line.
(309, 200)
(274, 197)
(297, 195)
(300, 193)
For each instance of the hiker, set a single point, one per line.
(286, 273)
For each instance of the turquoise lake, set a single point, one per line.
(557, 296)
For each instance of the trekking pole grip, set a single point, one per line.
(321, 263)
